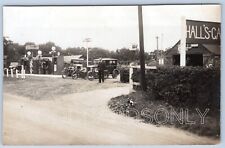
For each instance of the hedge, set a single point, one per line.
(184, 86)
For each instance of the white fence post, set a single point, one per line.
(11, 70)
(131, 82)
(17, 74)
(161, 61)
(22, 72)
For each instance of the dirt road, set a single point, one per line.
(82, 118)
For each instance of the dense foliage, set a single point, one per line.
(15, 51)
(185, 86)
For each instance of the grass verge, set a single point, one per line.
(41, 88)
(138, 105)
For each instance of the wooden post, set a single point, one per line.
(141, 44)
(183, 42)
(17, 74)
(22, 72)
(11, 70)
(22, 68)
(7, 72)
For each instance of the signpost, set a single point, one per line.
(183, 42)
(32, 47)
(54, 59)
(87, 40)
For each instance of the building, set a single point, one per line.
(196, 55)
(73, 58)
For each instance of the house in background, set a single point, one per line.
(73, 58)
(196, 55)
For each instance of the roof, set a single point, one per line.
(14, 64)
(105, 59)
(215, 49)
(47, 58)
(92, 66)
(173, 50)
(197, 50)
(42, 58)
(72, 57)
(200, 49)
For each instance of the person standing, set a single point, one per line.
(101, 68)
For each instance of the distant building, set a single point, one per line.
(73, 58)
(196, 55)
(156, 58)
(156, 54)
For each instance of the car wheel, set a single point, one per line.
(64, 75)
(74, 76)
(115, 73)
(90, 76)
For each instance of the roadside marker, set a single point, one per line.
(22, 72)
(23, 76)
(11, 72)
(17, 74)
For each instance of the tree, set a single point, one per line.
(6, 44)
(75, 51)
(29, 43)
(125, 54)
(47, 47)
(96, 52)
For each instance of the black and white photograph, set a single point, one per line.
(111, 75)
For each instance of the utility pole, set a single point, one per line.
(162, 48)
(157, 42)
(142, 53)
(87, 40)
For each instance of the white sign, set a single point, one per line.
(31, 47)
(203, 32)
(55, 67)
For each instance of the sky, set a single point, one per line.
(109, 27)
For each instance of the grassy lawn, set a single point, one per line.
(49, 88)
(121, 105)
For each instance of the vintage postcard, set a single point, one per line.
(112, 75)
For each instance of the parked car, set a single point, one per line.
(111, 66)
(13, 66)
(74, 71)
(67, 72)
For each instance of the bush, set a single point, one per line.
(185, 86)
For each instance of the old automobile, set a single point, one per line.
(111, 65)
